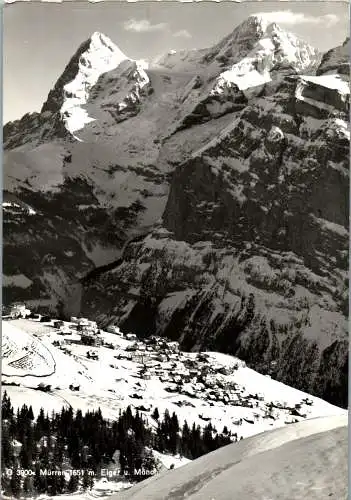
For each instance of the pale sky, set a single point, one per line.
(40, 38)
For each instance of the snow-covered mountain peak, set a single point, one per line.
(255, 21)
(257, 48)
(102, 52)
(101, 56)
(254, 27)
(99, 39)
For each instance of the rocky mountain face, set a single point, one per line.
(212, 188)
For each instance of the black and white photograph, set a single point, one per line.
(175, 292)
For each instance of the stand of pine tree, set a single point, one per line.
(68, 441)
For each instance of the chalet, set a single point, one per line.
(131, 336)
(115, 330)
(225, 370)
(143, 408)
(154, 339)
(233, 398)
(173, 357)
(43, 387)
(137, 358)
(127, 357)
(108, 345)
(74, 387)
(136, 396)
(6, 310)
(64, 330)
(206, 419)
(171, 388)
(83, 321)
(88, 339)
(189, 392)
(58, 323)
(162, 357)
(202, 357)
(131, 348)
(173, 346)
(45, 319)
(16, 447)
(58, 343)
(19, 310)
(86, 325)
(307, 401)
(238, 421)
(291, 421)
(259, 397)
(190, 363)
(93, 355)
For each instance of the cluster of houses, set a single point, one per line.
(19, 310)
(200, 377)
(195, 377)
(15, 311)
(88, 331)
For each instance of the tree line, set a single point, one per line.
(68, 441)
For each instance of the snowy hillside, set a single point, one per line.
(200, 388)
(306, 460)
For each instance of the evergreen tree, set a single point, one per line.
(25, 456)
(185, 441)
(53, 485)
(6, 408)
(59, 450)
(40, 481)
(7, 456)
(88, 481)
(15, 482)
(208, 439)
(73, 483)
(173, 434)
(155, 415)
(61, 484)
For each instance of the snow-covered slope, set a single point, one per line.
(305, 460)
(216, 388)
